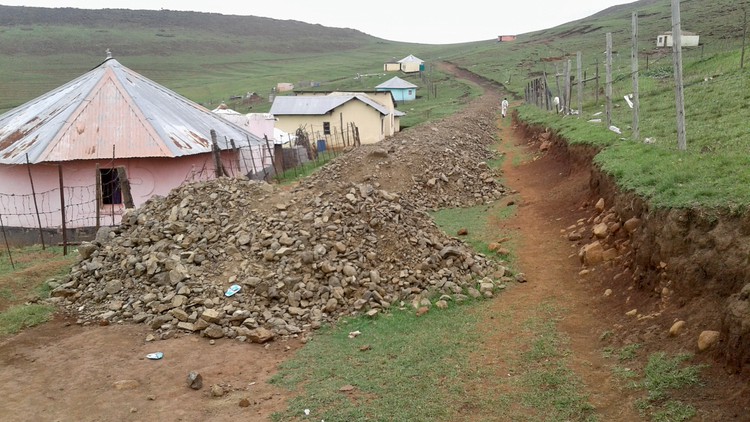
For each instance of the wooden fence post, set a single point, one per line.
(218, 168)
(579, 65)
(278, 157)
(252, 156)
(273, 159)
(36, 207)
(608, 87)
(567, 101)
(7, 246)
(112, 169)
(679, 89)
(634, 73)
(127, 198)
(98, 197)
(597, 82)
(62, 210)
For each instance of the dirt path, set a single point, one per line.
(64, 372)
(551, 196)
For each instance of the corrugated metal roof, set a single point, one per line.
(111, 105)
(318, 105)
(411, 58)
(396, 83)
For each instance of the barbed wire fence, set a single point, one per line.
(78, 209)
(549, 91)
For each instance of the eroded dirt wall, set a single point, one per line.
(702, 256)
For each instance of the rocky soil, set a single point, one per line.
(353, 238)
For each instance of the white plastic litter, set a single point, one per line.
(627, 100)
(615, 129)
(354, 334)
(595, 121)
(307, 412)
(649, 141)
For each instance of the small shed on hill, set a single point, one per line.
(392, 66)
(402, 90)
(506, 38)
(410, 64)
(90, 136)
(284, 86)
(689, 39)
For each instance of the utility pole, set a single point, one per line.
(634, 72)
(679, 88)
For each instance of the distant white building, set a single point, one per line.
(689, 39)
(411, 64)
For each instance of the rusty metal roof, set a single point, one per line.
(112, 107)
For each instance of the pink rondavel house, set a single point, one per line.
(93, 130)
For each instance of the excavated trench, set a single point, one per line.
(683, 264)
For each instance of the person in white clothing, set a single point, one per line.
(504, 107)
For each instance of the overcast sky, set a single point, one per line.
(417, 21)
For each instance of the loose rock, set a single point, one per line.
(195, 380)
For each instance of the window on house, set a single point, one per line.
(409, 91)
(326, 128)
(111, 193)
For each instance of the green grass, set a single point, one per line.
(27, 256)
(664, 374)
(713, 172)
(661, 377)
(629, 352)
(28, 282)
(674, 411)
(208, 64)
(17, 318)
(415, 368)
(549, 386)
(481, 224)
(306, 169)
(418, 368)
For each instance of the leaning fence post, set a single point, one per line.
(273, 159)
(7, 246)
(127, 197)
(218, 171)
(238, 154)
(62, 210)
(36, 207)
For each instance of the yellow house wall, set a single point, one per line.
(410, 67)
(367, 119)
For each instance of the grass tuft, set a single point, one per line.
(408, 359)
(17, 318)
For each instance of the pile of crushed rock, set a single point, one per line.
(339, 243)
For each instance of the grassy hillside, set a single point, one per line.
(208, 58)
(714, 171)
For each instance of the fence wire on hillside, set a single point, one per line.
(48, 213)
(654, 67)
